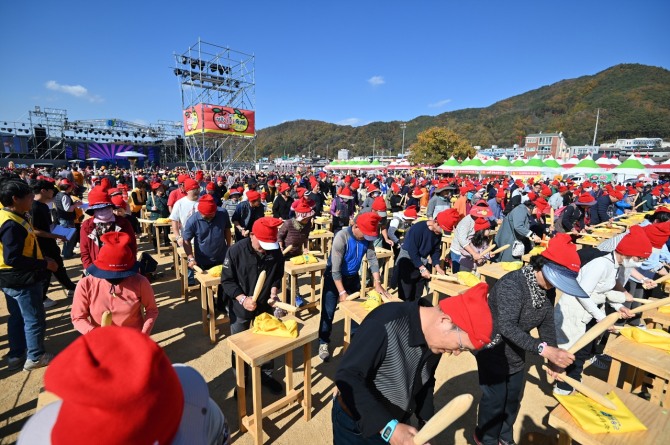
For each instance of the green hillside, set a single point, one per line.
(634, 101)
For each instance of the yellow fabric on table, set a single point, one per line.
(163, 220)
(511, 265)
(664, 309)
(536, 250)
(266, 324)
(215, 271)
(318, 232)
(304, 259)
(588, 239)
(467, 279)
(595, 418)
(374, 300)
(656, 338)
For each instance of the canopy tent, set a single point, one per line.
(585, 166)
(402, 165)
(663, 167)
(518, 163)
(552, 163)
(614, 160)
(604, 162)
(647, 161)
(499, 167)
(449, 166)
(570, 162)
(630, 167)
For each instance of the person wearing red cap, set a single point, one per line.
(342, 209)
(463, 235)
(246, 214)
(230, 204)
(423, 242)
(516, 228)
(241, 268)
(401, 221)
(557, 200)
(137, 198)
(281, 207)
(521, 301)
(599, 277)
(388, 372)
(604, 208)
(183, 209)
(158, 208)
(65, 209)
(341, 276)
(644, 201)
(178, 193)
(396, 199)
(317, 196)
(146, 399)
(113, 277)
(372, 193)
(209, 231)
(441, 199)
(572, 217)
(102, 208)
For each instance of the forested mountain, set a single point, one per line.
(634, 101)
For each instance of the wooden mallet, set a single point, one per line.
(443, 418)
(440, 277)
(106, 319)
(353, 296)
(259, 285)
(287, 249)
(488, 249)
(285, 306)
(588, 392)
(500, 249)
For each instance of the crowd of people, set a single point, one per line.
(387, 374)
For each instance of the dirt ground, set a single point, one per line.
(179, 332)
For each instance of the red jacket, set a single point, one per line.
(89, 248)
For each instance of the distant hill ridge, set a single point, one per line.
(634, 101)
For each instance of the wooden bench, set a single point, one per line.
(652, 416)
(639, 360)
(294, 271)
(208, 288)
(256, 349)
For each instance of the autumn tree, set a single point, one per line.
(437, 144)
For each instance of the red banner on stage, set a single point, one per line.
(218, 119)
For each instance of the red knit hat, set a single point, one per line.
(447, 219)
(283, 187)
(303, 210)
(253, 195)
(481, 210)
(118, 201)
(104, 375)
(265, 230)
(181, 179)
(379, 206)
(371, 188)
(562, 189)
(115, 259)
(586, 199)
(482, 224)
(417, 193)
(658, 233)
(210, 186)
(199, 175)
(562, 250)
(635, 243)
(410, 212)
(98, 199)
(156, 185)
(616, 195)
(190, 184)
(470, 311)
(662, 209)
(345, 193)
(395, 188)
(206, 205)
(368, 223)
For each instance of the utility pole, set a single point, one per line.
(403, 126)
(374, 140)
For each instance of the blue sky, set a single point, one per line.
(348, 62)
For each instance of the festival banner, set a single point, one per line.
(218, 119)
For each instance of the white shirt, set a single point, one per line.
(182, 211)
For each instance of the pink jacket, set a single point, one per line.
(93, 296)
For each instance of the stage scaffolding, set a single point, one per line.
(212, 74)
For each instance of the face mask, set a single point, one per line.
(470, 195)
(628, 263)
(105, 215)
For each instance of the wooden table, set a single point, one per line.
(157, 227)
(593, 242)
(175, 254)
(256, 349)
(354, 310)
(448, 288)
(208, 287)
(384, 257)
(323, 239)
(492, 270)
(655, 418)
(183, 266)
(295, 270)
(656, 319)
(325, 224)
(640, 359)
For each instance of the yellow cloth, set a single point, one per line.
(664, 309)
(163, 220)
(595, 418)
(467, 279)
(374, 300)
(511, 265)
(318, 232)
(215, 271)
(657, 338)
(588, 239)
(266, 324)
(304, 259)
(536, 250)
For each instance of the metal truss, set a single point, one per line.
(213, 74)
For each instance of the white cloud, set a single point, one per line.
(353, 121)
(73, 90)
(375, 81)
(439, 103)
